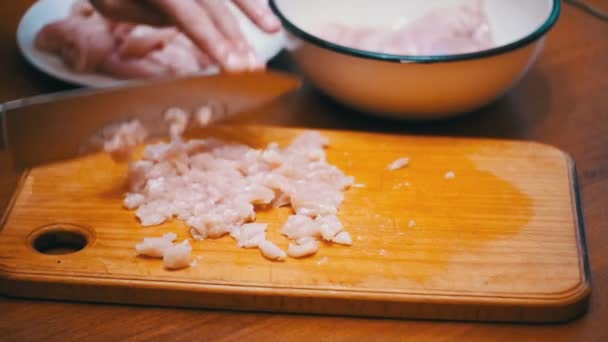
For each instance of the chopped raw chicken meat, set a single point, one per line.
(303, 247)
(271, 251)
(133, 201)
(399, 164)
(441, 31)
(214, 186)
(299, 226)
(249, 235)
(330, 226)
(204, 115)
(123, 139)
(156, 247)
(178, 121)
(343, 238)
(177, 256)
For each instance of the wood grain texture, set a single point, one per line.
(562, 102)
(500, 241)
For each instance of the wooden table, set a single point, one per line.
(563, 101)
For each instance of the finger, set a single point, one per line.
(130, 10)
(226, 22)
(261, 15)
(196, 23)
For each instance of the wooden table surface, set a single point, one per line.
(563, 101)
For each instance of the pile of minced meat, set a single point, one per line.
(215, 186)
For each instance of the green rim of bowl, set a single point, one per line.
(537, 34)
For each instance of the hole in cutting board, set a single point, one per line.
(60, 239)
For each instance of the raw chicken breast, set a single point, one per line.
(83, 43)
(132, 68)
(88, 42)
(142, 39)
(441, 31)
(167, 59)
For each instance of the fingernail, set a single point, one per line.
(253, 64)
(223, 50)
(231, 62)
(271, 21)
(234, 62)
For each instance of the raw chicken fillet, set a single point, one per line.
(441, 31)
(88, 42)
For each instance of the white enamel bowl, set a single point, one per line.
(415, 87)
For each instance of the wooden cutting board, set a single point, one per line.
(501, 241)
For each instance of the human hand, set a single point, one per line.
(210, 24)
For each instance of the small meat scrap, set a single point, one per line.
(177, 119)
(323, 261)
(249, 235)
(330, 226)
(272, 251)
(343, 238)
(155, 247)
(300, 226)
(175, 256)
(203, 115)
(399, 164)
(122, 139)
(303, 247)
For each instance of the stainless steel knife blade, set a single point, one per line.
(54, 127)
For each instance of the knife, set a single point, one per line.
(54, 127)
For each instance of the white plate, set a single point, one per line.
(46, 11)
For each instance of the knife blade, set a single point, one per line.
(54, 127)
